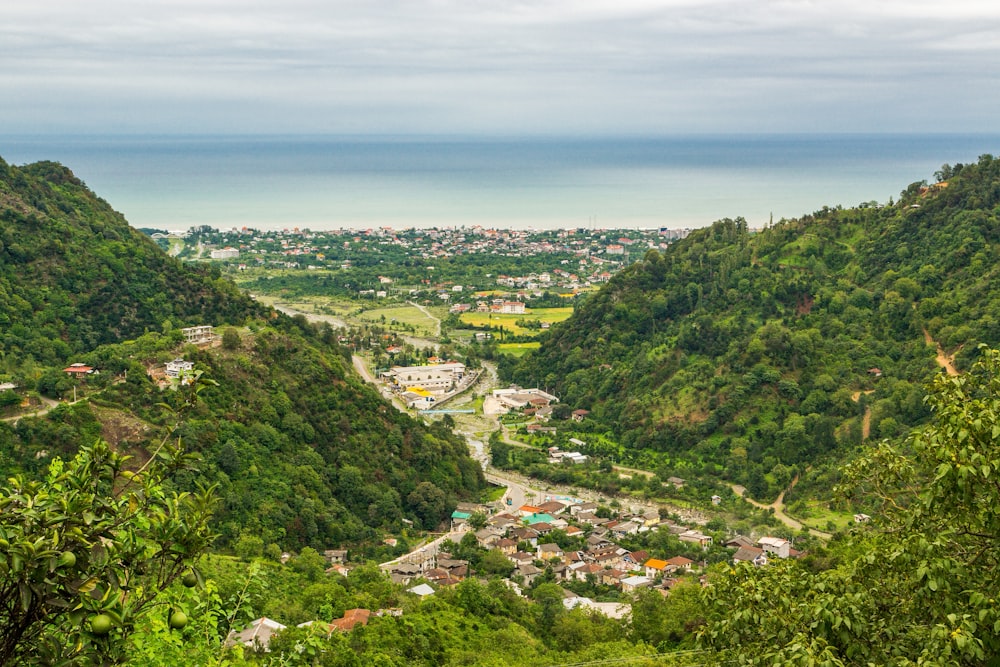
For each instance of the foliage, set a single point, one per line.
(742, 351)
(920, 586)
(74, 275)
(96, 536)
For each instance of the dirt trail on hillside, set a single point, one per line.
(945, 361)
(866, 421)
(779, 509)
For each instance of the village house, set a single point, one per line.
(198, 335)
(549, 551)
(178, 367)
(679, 563)
(776, 546)
(351, 619)
(633, 583)
(702, 540)
(750, 555)
(257, 635)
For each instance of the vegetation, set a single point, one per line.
(920, 586)
(85, 552)
(74, 275)
(755, 354)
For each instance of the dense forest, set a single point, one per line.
(752, 353)
(302, 451)
(75, 275)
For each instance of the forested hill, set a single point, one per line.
(302, 450)
(74, 274)
(744, 350)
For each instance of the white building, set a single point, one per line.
(225, 253)
(199, 334)
(776, 545)
(438, 378)
(178, 366)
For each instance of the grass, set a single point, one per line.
(820, 514)
(408, 315)
(517, 350)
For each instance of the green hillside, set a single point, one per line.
(738, 352)
(74, 275)
(302, 450)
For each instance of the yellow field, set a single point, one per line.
(550, 315)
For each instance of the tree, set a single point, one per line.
(919, 585)
(230, 339)
(84, 552)
(428, 503)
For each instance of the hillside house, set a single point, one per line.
(198, 335)
(178, 367)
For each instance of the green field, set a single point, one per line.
(517, 349)
(409, 315)
(508, 322)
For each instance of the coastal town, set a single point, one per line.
(386, 260)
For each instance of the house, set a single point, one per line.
(679, 563)
(199, 334)
(626, 528)
(525, 535)
(459, 520)
(351, 619)
(716, 500)
(528, 572)
(257, 635)
(552, 507)
(613, 577)
(422, 590)
(775, 545)
(520, 558)
(177, 367)
(549, 551)
(633, 583)
(654, 567)
(79, 370)
(588, 569)
(738, 542)
(750, 555)
(335, 555)
(578, 415)
(702, 540)
(635, 559)
(507, 546)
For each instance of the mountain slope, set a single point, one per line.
(303, 451)
(745, 351)
(74, 275)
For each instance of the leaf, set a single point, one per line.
(88, 585)
(25, 592)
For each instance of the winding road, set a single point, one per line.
(779, 509)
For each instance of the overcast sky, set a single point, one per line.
(499, 66)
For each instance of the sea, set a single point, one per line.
(339, 182)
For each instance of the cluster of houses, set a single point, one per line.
(520, 535)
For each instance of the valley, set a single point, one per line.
(492, 447)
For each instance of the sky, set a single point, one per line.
(507, 67)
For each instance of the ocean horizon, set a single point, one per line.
(333, 182)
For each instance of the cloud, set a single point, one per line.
(628, 66)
